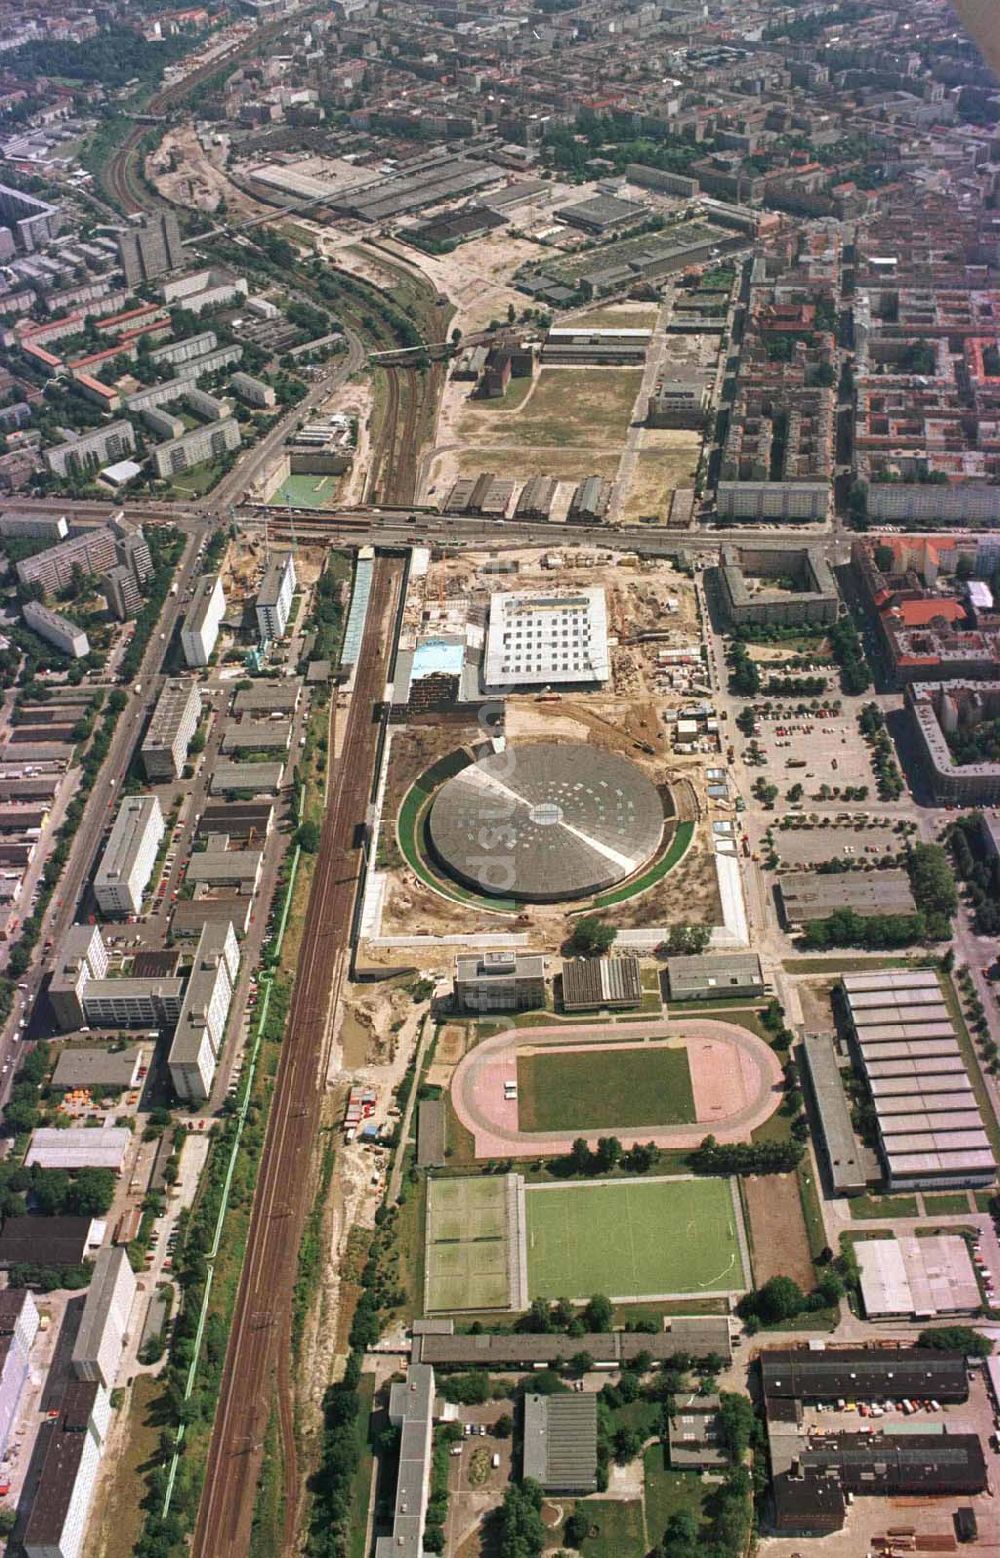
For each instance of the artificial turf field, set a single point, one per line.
(616, 1088)
(633, 1239)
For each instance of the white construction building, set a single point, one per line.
(274, 598)
(98, 1348)
(129, 857)
(547, 639)
(201, 625)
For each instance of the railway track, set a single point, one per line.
(258, 1358)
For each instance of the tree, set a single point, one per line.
(580, 1156)
(957, 1338)
(779, 1299)
(681, 1537)
(522, 1530)
(609, 1151)
(597, 1313)
(308, 837)
(576, 1529)
(504, 1426)
(628, 1443)
(581, 1363)
(735, 1424)
(591, 937)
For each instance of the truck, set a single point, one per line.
(173, 588)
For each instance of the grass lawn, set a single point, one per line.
(362, 1479)
(954, 1205)
(986, 1199)
(569, 406)
(675, 852)
(866, 1207)
(616, 1088)
(835, 965)
(616, 1529)
(633, 1239)
(667, 1492)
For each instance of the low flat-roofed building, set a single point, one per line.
(906, 1278)
(269, 697)
(243, 820)
(251, 778)
(411, 1411)
(589, 983)
(133, 1003)
(693, 1435)
(807, 896)
(191, 915)
(939, 1169)
(863, 1374)
(499, 982)
(99, 1069)
(78, 1147)
(257, 735)
(844, 1160)
(715, 975)
(226, 868)
(560, 1442)
(48, 1241)
(696, 1336)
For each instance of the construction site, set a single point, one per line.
(443, 720)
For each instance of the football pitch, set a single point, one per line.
(619, 1088)
(634, 1239)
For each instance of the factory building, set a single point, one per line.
(129, 856)
(256, 735)
(78, 1147)
(175, 720)
(274, 598)
(218, 866)
(589, 983)
(98, 1347)
(560, 1442)
(56, 629)
(201, 1026)
(931, 1136)
(201, 625)
(537, 640)
(807, 896)
(499, 982)
(82, 957)
(253, 778)
(57, 1524)
(907, 1278)
(843, 1156)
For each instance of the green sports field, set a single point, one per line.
(468, 1247)
(633, 1239)
(617, 1088)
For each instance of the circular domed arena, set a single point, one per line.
(546, 822)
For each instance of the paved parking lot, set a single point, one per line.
(833, 751)
(808, 846)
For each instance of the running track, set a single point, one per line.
(724, 1059)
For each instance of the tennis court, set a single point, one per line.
(635, 1239)
(468, 1259)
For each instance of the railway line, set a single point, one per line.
(259, 1352)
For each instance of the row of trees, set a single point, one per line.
(849, 652)
(978, 872)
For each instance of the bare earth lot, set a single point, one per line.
(778, 1230)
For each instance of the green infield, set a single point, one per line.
(467, 1262)
(604, 1088)
(634, 1239)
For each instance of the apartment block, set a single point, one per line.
(86, 453)
(151, 248)
(175, 720)
(129, 856)
(274, 598)
(201, 1025)
(82, 957)
(253, 392)
(56, 629)
(18, 1329)
(194, 448)
(201, 625)
(57, 1522)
